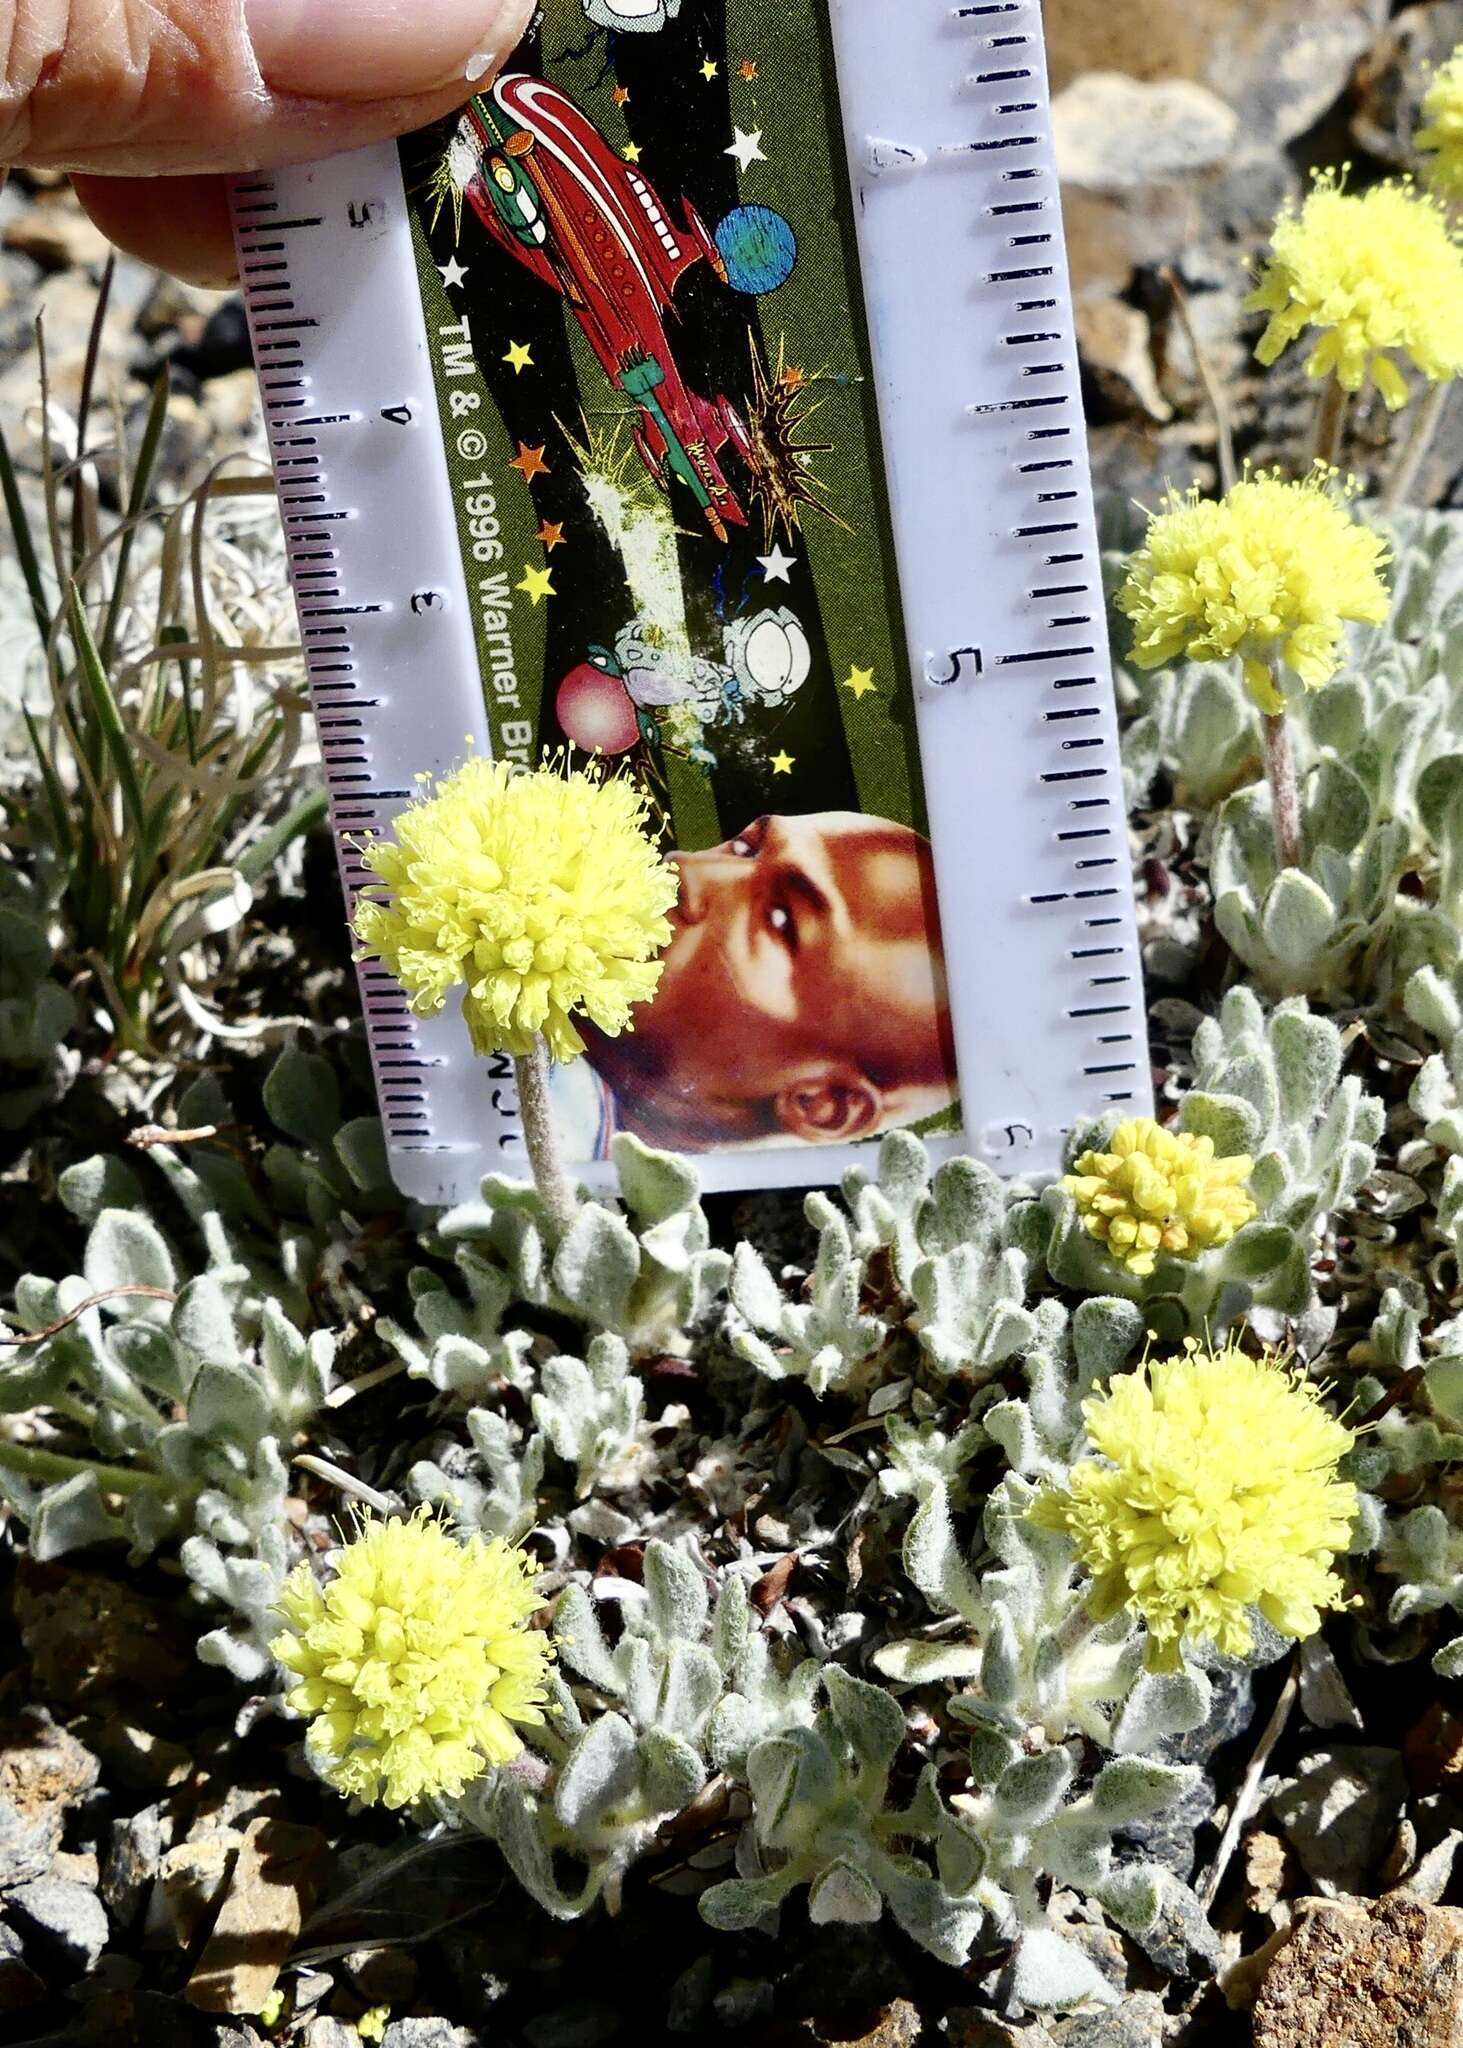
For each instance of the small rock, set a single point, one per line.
(1172, 1839)
(690, 1996)
(86, 1634)
(1114, 134)
(20, 1987)
(1350, 1971)
(77, 1866)
(1181, 1944)
(1339, 1813)
(323, 2032)
(840, 1969)
(231, 405)
(899, 2027)
(326, 2032)
(134, 1855)
(273, 1885)
(55, 233)
(44, 1770)
(1269, 1870)
(192, 1879)
(1116, 346)
(1138, 2022)
(426, 2034)
(138, 1760)
(223, 345)
(26, 1848)
(169, 302)
(383, 1976)
(744, 2002)
(582, 2023)
(68, 1914)
(966, 2026)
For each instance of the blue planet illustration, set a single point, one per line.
(758, 248)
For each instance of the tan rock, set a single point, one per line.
(274, 1885)
(55, 233)
(1114, 133)
(1361, 1974)
(1279, 65)
(1109, 237)
(43, 1770)
(193, 1876)
(1115, 342)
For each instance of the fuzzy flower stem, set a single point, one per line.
(1280, 767)
(1330, 426)
(1244, 1805)
(1403, 479)
(33, 1462)
(541, 1136)
(1074, 1630)
(343, 1481)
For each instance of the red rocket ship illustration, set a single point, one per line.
(550, 188)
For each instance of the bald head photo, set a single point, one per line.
(803, 999)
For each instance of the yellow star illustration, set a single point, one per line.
(782, 764)
(519, 357)
(860, 681)
(632, 152)
(536, 583)
(709, 70)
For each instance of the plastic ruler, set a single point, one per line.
(950, 148)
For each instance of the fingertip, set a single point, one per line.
(180, 225)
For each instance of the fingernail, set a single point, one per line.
(372, 49)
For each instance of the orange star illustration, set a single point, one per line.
(529, 462)
(622, 95)
(550, 536)
(749, 71)
(793, 379)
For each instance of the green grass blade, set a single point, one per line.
(258, 859)
(97, 691)
(51, 782)
(152, 435)
(25, 547)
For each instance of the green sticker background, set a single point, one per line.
(680, 97)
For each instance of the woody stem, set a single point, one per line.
(1330, 423)
(1285, 795)
(1415, 447)
(541, 1136)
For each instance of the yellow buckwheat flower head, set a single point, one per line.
(1267, 574)
(540, 891)
(413, 1662)
(1442, 135)
(1214, 1490)
(1160, 1191)
(1378, 273)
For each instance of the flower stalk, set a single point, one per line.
(1284, 790)
(1413, 453)
(1330, 428)
(541, 1136)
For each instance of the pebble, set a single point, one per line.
(71, 1916)
(1181, 1944)
(57, 235)
(133, 1858)
(44, 1770)
(424, 2034)
(1340, 1811)
(1138, 2022)
(26, 1848)
(1360, 1972)
(1116, 134)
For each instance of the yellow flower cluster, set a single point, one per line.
(1159, 1191)
(1441, 136)
(413, 1662)
(1378, 273)
(1267, 574)
(1214, 1491)
(541, 892)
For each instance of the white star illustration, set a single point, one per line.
(452, 271)
(777, 567)
(747, 149)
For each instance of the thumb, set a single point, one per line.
(125, 87)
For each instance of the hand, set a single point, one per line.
(148, 103)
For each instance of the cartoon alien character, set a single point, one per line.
(634, 17)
